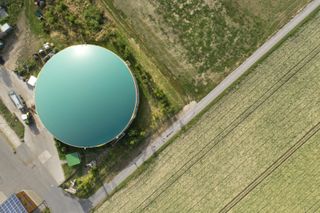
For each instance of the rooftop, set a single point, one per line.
(73, 159)
(12, 205)
(86, 96)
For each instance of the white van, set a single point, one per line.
(16, 100)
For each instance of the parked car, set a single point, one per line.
(27, 118)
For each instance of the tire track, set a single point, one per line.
(271, 168)
(211, 144)
(235, 105)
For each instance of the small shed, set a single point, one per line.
(73, 159)
(32, 81)
(4, 30)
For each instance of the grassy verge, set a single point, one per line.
(68, 171)
(34, 23)
(12, 120)
(62, 151)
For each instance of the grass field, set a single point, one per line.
(12, 120)
(197, 43)
(250, 144)
(292, 188)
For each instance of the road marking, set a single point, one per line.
(44, 156)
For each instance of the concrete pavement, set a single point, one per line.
(158, 142)
(27, 171)
(37, 138)
(36, 165)
(23, 171)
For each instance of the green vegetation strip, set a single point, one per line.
(237, 139)
(12, 120)
(197, 43)
(13, 8)
(34, 23)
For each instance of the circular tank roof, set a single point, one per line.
(86, 96)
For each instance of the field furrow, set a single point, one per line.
(197, 43)
(271, 169)
(292, 118)
(240, 142)
(291, 188)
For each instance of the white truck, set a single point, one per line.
(19, 103)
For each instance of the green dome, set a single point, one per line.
(86, 96)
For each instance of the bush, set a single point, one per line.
(25, 67)
(13, 8)
(86, 184)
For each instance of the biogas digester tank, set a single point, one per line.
(86, 96)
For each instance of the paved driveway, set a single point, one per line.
(37, 138)
(23, 171)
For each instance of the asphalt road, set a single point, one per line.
(103, 192)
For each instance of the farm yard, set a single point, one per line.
(256, 148)
(197, 43)
(65, 23)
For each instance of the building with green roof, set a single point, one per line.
(86, 96)
(73, 159)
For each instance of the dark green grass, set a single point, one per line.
(12, 120)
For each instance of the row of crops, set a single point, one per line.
(269, 120)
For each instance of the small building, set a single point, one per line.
(13, 204)
(32, 81)
(73, 159)
(25, 201)
(5, 29)
(29, 200)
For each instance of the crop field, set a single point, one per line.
(250, 144)
(293, 188)
(197, 43)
